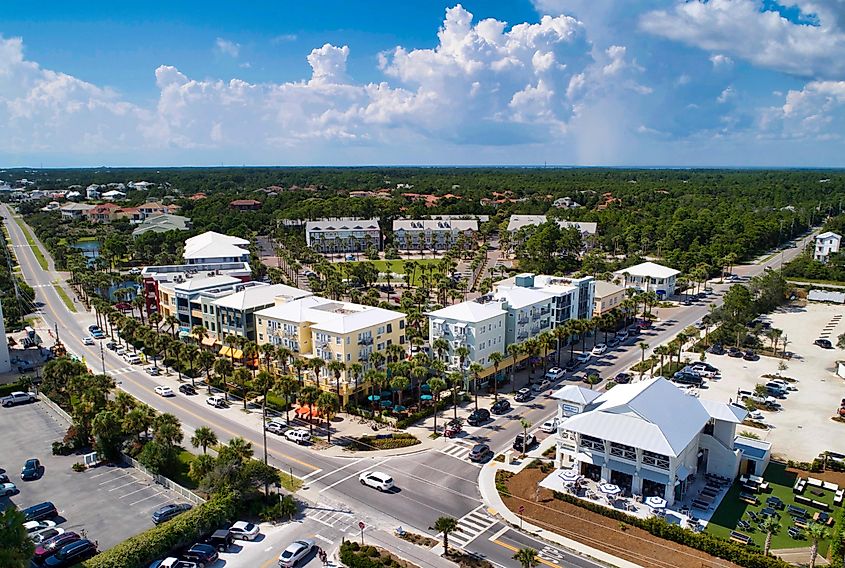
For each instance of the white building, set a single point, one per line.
(211, 247)
(826, 244)
(343, 235)
(432, 234)
(480, 327)
(92, 191)
(233, 313)
(5, 360)
(113, 195)
(649, 276)
(649, 437)
(517, 222)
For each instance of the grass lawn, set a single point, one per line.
(289, 482)
(181, 476)
(39, 256)
(398, 267)
(731, 510)
(64, 296)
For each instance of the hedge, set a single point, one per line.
(353, 555)
(718, 547)
(189, 527)
(6, 390)
(389, 442)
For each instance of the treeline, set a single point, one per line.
(806, 267)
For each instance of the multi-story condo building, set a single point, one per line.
(343, 235)
(182, 297)
(212, 247)
(649, 276)
(608, 297)
(588, 230)
(432, 234)
(826, 244)
(315, 327)
(169, 275)
(478, 326)
(650, 438)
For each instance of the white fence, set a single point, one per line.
(55, 408)
(164, 481)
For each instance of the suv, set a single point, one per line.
(478, 417)
(18, 397)
(522, 395)
(622, 378)
(221, 540)
(202, 554)
(187, 389)
(704, 369)
(45, 510)
(500, 407)
(687, 378)
(32, 469)
(276, 426)
(599, 349)
(555, 373)
(523, 443)
(823, 343)
(169, 511)
(50, 546)
(479, 453)
(750, 356)
(72, 554)
(216, 400)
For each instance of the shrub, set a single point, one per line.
(502, 478)
(189, 527)
(78, 466)
(62, 449)
(387, 442)
(444, 403)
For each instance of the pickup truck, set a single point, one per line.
(16, 398)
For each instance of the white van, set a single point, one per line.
(132, 359)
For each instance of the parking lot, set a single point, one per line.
(804, 428)
(109, 503)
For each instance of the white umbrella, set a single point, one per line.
(569, 476)
(610, 489)
(656, 502)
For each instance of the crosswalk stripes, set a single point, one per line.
(458, 451)
(470, 526)
(331, 517)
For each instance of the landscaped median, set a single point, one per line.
(383, 442)
(36, 250)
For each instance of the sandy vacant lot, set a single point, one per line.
(804, 427)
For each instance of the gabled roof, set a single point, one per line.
(76, 207)
(214, 245)
(723, 411)
(576, 394)
(604, 288)
(435, 225)
(828, 235)
(652, 415)
(649, 269)
(330, 315)
(343, 225)
(471, 312)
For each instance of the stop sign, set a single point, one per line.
(361, 525)
(522, 508)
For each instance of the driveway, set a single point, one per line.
(109, 503)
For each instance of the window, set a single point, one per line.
(337, 340)
(380, 330)
(380, 347)
(260, 337)
(390, 328)
(401, 324)
(401, 340)
(348, 357)
(348, 339)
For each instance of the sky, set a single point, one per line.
(757, 83)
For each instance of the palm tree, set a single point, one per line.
(436, 385)
(456, 379)
(240, 448)
(496, 358)
(241, 376)
(531, 348)
(440, 346)
(398, 384)
(544, 343)
(643, 346)
(527, 557)
(287, 387)
(328, 404)
(190, 353)
(206, 360)
(816, 532)
(770, 526)
(316, 365)
(172, 323)
(525, 426)
(559, 333)
(262, 384)
(232, 342)
(355, 371)
(268, 351)
(513, 350)
(475, 369)
(223, 369)
(203, 438)
(308, 396)
(662, 350)
(299, 365)
(250, 355)
(199, 333)
(337, 368)
(462, 354)
(123, 402)
(446, 526)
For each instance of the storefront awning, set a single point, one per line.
(227, 351)
(654, 476)
(622, 467)
(588, 458)
(208, 341)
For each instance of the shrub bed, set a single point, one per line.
(6, 390)
(442, 405)
(386, 442)
(353, 555)
(189, 527)
(502, 478)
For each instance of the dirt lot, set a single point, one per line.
(600, 532)
(804, 428)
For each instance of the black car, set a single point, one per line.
(500, 407)
(51, 546)
(478, 417)
(716, 349)
(686, 378)
(32, 469)
(72, 554)
(202, 554)
(750, 356)
(480, 452)
(522, 443)
(187, 389)
(221, 540)
(523, 394)
(111, 346)
(45, 510)
(734, 352)
(622, 378)
(823, 343)
(169, 511)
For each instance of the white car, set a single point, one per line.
(756, 415)
(550, 426)
(44, 534)
(36, 526)
(376, 480)
(163, 390)
(295, 552)
(599, 349)
(216, 400)
(153, 371)
(276, 426)
(541, 385)
(244, 530)
(133, 359)
(555, 373)
(7, 489)
(298, 436)
(120, 351)
(88, 340)
(583, 357)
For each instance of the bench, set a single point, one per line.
(837, 499)
(820, 505)
(796, 511)
(801, 523)
(700, 505)
(795, 533)
(745, 525)
(799, 486)
(749, 488)
(813, 482)
(750, 499)
(830, 486)
(740, 538)
(803, 500)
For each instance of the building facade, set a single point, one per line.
(343, 235)
(478, 326)
(183, 296)
(234, 313)
(432, 234)
(609, 296)
(826, 244)
(211, 247)
(154, 277)
(649, 276)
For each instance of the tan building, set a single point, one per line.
(330, 330)
(608, 297)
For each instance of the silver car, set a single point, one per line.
(295, 552)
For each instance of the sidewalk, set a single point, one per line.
(494, 503)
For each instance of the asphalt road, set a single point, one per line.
(431, 483)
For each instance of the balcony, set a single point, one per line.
(623, 452)
(522, 320)
(535, 316)
(655, 460)
(545, 311)
(535, 330)
(522, 336)
(593, 444)
(365, 341)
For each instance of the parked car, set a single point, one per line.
(298, 436)
(775, 390)
(756, 415)
(478, 417)
(88, 340)
(622, 335)
(583, 357)
(18, 397)
(221, 540)
(153, 371)
(735, 353)
(377, 480)
(555, 374)
(622, 378)
(453, 428)
(480, 452)
(523, 395)
(32, 469)
(500, 407)
(276, 426)
(169, 511)
(132, 359)
(750, 356)
(7, 489)
(522, 443)
(50, 546)
(45, 510)
(163, 390)
(202, 554)
(217, 401)
(173, 562)
(72, 554)
(716, 349)
(613, 342)
(599, 349)
(571, 364)
(295, 552)
(787, 386)
(687, 378)
(541, 385)
(111, 346)
(187, 389)
(35, 526)
(823, 343)
(550, 426)
(45, 534)
(244, 530)
(705, 369)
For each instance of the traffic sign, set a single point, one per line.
(361, 525)
(521, 509)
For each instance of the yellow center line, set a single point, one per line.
(515, 549)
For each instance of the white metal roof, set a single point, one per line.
(828, 235)
(649, 269)
(260, 295)
(516, 222)
(652, 415)
(576, 394)
(200, 283)
(519, 297)
(330, 315)
(344, 225)
(471, 311)
(723, 411)
(214, 245)
(435, 225)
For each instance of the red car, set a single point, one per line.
(52, 545)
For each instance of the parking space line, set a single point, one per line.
(116, 478)
(124, 485)
(100, 474)
(145, 498)
(133, 492)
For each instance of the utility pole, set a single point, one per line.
(102, 358)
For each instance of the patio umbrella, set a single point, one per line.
(425, 388)
(610, 489)
(385, 404)
(569, 476)
(399, 408)
(374, 398)
(426, 397)
(655, 502)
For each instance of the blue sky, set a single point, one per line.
(582, 82)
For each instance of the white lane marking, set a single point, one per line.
(119, 477)
(100, 474)
(145, 498)
(499, 533)
(350, 464)
(351, 475)
(313, 473)
(324, 539)
(124, 485)
(268, 549)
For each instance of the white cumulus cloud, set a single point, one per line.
(227, 47)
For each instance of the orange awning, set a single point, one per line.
(209, 341)
(306, 412)
(226, 351)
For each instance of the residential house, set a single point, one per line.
(650, 438)
(211, 247)
(608, 297)
(432, 234)
(162, 224)
(113, 195)
(245, 204)
(517, 222)
(566, 203)
(315, 327)
(92, 191)
(168, 275)
(827, 243)
(104, 213)
(141, 185)
(649, 276)
(75, 210)
(343, 235)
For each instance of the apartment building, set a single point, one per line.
(517, 222)
(154, 277)
(211, 247)
(608, 297)
(432, 234)
(315, 327)
(343, 235)
(649, 276)
(827, 243)
(182, 297)
(478, 326)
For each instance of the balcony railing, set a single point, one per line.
(595, 445)
(653, 461)
(365, 341)
(522, 320)
(535, 316)
(623, 453)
